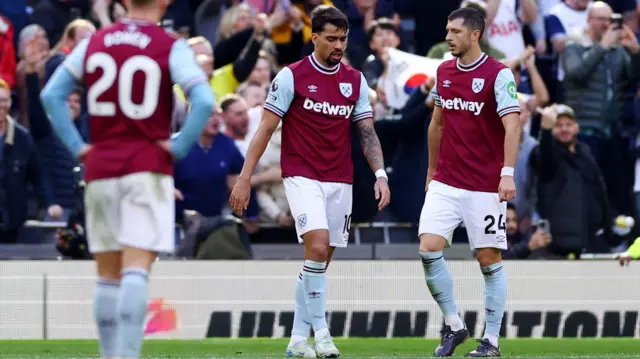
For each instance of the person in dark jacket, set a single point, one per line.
(571, 191)
(19, 166)
(57, 162)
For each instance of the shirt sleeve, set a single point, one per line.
(363, 104)
(184, 69)
(280, 93)
(506, 93)
(74, 63)
(434, 91)
(554, 28)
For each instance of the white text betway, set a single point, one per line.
(327, 108)
(460, 104)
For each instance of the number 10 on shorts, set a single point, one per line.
(347, 223)
(491, 221)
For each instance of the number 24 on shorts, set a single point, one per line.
(491, 221)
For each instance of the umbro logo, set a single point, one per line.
(313, 88)
(446, 83)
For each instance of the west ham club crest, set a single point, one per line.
(345, 89)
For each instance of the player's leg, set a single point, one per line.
(306, 202)
(440, 216)
(484, 217)
(102, 220)
(147, 210)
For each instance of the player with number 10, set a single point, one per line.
(474, 137)
(318, 99)
(128, 70)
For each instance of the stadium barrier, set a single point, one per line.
(53, 300)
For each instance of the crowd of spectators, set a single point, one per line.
(576, 173)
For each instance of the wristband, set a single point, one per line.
(382, 173)
(507, 171)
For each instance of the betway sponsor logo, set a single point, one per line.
(326, 108)
(460, 104)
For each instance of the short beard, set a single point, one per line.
(331, 62)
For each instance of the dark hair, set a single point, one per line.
(382, 23)
(471, 18)
(477, 5)
(324, 14)
(227, 100)
(511, 206)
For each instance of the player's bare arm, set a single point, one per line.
(512, 135)
(433, 136)
(241, 192)
(372, 150)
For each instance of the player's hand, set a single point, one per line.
(83, 152)
(178, 195)
(623, 258)
(55, 211)
(240, 196)
(383, 194)
(507, 188)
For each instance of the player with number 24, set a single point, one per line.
(474, 137)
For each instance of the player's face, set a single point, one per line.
(330, 44)
(5, 103)
(566, 130)
(236, 118)
(460, 37)
(512, 222)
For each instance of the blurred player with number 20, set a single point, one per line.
(128, 70)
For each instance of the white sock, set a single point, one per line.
(320, 333)
(454, 321)
(295, 339)
(493, 339)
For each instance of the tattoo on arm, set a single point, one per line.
(370, 144)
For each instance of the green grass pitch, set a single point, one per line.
(350, 348)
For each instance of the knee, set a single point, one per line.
(432, 243)
(488, 256)
(317, 252)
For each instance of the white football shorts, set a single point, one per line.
(482, 213)
(135, 210)
(320, 205)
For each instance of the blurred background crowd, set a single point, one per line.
(577, 171)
